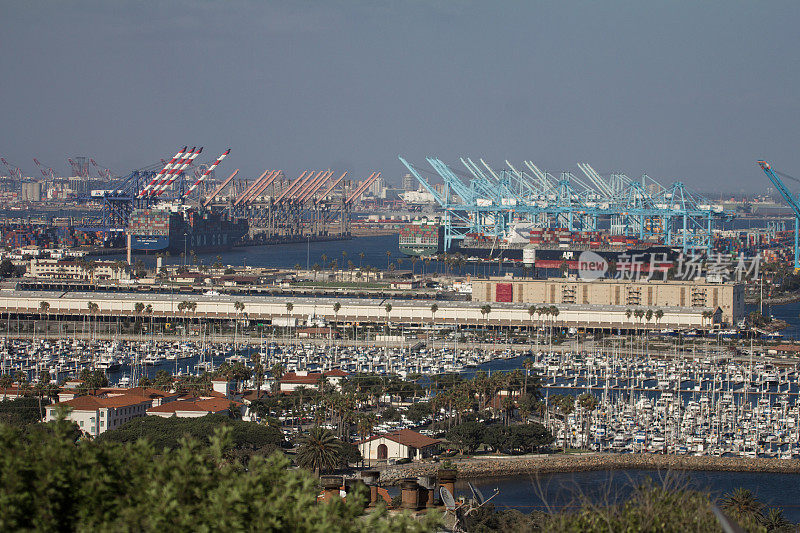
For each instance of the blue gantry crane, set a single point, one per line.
(493, 201)
(772, 174)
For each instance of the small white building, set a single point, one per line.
(401, 444)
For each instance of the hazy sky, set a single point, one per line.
(695, 91)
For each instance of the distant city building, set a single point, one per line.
(378, 188)
(409, 183)
(31, 191)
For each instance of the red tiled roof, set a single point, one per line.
(292, 377)
(312, 377)
(406, 437)
(204, 405)
(787, 348)
(90, 403)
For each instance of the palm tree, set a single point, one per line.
(336, 308)
(588, 403)
(742, 505)
(93, 308)
(531, 311)
(289, 307)
(324, 258)
(238, 307)
(414, 260)
(388, 258)
(319, 451)
(361, 256)
(485, 310)
(774, 520)
(434, 308)
(388, 308)
(44, 309)
(659, 314)
(527, 364)
(277, 370)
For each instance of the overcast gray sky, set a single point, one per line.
(695, 91)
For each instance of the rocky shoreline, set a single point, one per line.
(547, 464)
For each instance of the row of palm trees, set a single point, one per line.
(649, 314)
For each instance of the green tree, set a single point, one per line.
(319, 451)
(742, 506)
(467, 436)
(109, 486)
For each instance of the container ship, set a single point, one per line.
(179, 228)
(539, 247)
(424, 239)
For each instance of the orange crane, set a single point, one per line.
(250, 188)
(219, 189)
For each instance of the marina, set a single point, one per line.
(710, 404)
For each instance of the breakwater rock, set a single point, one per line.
(498, 466)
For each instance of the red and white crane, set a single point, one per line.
(47, 172)
(208, 171)
(13, 170)
(163, 171)
(174, 172)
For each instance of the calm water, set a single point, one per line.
(529, 493)
(374, 249)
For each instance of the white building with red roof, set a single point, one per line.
(196, 407)
(400, 444)
(109, 408)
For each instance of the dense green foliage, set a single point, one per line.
(20, 411)
(247, 438)
(319, 451)
(52, 483)
(524, 438)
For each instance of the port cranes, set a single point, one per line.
(489, 201)
(772, 174)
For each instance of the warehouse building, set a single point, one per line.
(727, 297)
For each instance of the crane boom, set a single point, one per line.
(174, 173)
(249, 188)
(314, 187)
(208, 171)
(793, 203)
(363, 187)
(161, 173)
(266, 183)
(330, 188)
(291, 186)
(219, 189)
